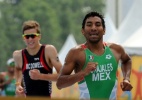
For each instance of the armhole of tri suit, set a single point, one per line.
(83, 46)
(85, 51)
(105, 44)
(45, 64)
(24, 60)
(43, 58)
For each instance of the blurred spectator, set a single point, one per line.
(7, 80)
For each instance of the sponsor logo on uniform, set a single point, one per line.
(108, 56)
(34, 65)
(91, 57)
(36, 59)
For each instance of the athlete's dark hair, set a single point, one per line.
(92, 14)
(31, 24)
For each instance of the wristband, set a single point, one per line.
(17, 83)
(126, 79)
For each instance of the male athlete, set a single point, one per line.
(95, 63)
(34, 64)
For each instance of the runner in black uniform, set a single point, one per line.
(31, 62)
(34, 64)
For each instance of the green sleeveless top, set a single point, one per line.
(101, 83)
(10, 88)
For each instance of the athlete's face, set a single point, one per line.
(11, 70)
(31, 38)
(93, 30)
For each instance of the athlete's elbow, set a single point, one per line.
(59, 83)
(59, 86)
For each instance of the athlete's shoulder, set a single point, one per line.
(3, 74)
(50, 47)
(17, 54)
(115, 46)
(76, 49)
(112, 45)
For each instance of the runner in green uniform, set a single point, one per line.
(104, 75)
(9, 83)
(10, 88)
(95, 63)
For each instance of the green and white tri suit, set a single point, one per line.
(10, 88)
(101, 83)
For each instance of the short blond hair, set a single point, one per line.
(31, 24)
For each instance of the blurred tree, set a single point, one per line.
(58, 19)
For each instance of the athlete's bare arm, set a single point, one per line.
(126, 65)
(53, 61)
(52, 58)
(17, 55)
(2, 81)
(75, 60)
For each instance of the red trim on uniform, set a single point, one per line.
(83, 46)
(42, 60)
(25, 61)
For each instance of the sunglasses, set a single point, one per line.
(12, 64)
(27, 36)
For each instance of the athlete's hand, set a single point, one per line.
(91, 66)
(20, 91)
(34, 74)
(126, 86)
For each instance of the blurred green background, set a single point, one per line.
(58, 19)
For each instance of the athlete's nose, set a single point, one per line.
(93, 28)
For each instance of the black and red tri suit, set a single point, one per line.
(36, 87)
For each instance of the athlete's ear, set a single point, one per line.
(23, 38)
(104, 31)
(82, 31)
(39, 37)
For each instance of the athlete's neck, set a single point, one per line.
(97, 48)
(33, 51)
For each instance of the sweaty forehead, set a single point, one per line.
(33, 30)
(93, 19)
